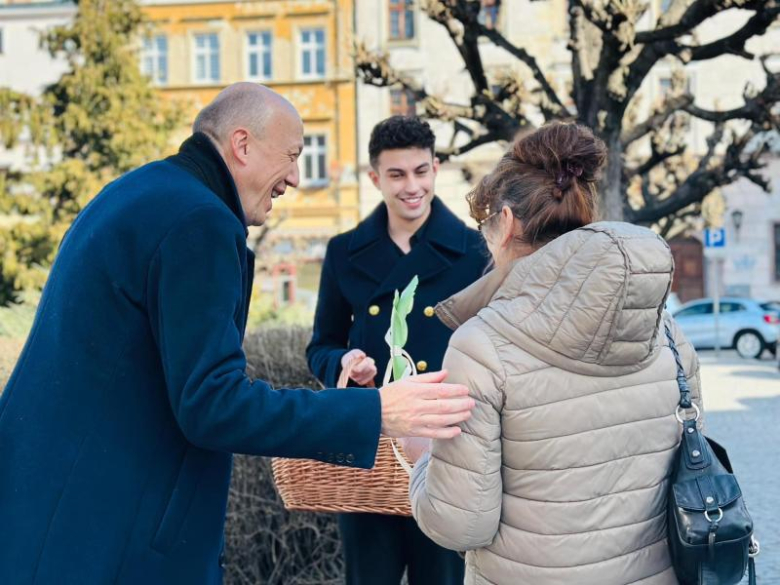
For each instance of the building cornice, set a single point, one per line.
(36, 10)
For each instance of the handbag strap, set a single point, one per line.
(682, 380)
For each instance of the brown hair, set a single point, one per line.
(548, 180)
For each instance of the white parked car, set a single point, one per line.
(747, 325)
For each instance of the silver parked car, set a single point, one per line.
(748, 325)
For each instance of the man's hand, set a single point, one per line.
(363, 369)
(423, 406)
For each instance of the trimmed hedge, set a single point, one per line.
(264, 543)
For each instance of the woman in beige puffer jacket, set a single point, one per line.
(560, 476)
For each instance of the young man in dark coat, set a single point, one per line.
(118, 423)
(411, 233)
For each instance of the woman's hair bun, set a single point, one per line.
(566, 151)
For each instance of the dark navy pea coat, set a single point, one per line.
(361, 271)
(118, 423)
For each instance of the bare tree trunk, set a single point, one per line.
(611, 188)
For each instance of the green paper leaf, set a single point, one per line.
(398, 334)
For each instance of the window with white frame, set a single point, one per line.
(315, 170)
(154, 59)
(207, 57)
(312, 52)
(259, 55)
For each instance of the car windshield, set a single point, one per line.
(698, 309)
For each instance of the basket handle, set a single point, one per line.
(343, 380)
(388, 372)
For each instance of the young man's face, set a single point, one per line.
(406, 177)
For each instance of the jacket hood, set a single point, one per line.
(589, 301)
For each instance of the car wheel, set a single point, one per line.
(749, 344)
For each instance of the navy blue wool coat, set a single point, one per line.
(118, 423)
(362, 270)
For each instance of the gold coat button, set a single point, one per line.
(422, 366)
(429, 312)
(373, 310)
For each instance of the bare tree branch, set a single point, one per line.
(758, 108)
(734, 44)
(667, 224)
(708, 177)
(655, 159)
(656, 120)
(766, 14)
(554, 107)
(460, 19)
(445, 154)
(694, 15)
(374, 69)
(610, 61)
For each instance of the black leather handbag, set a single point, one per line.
(709, 529)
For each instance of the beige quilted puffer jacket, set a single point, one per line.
(560, 476)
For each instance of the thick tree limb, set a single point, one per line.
(575, 48)
(589, 13)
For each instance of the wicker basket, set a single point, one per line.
(315, 486)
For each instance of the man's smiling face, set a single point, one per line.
(270, 167)
(406, 177)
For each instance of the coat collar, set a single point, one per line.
(370, 248)
(462, 306)
(199, 156)
(443, 229)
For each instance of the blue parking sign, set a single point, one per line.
(715, 238)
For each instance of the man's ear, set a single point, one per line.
(374, 177)
(436, 164)
(239, 145)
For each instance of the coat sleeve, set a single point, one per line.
(690, 361)
(332, 322)
(194, 294)
(456, 492)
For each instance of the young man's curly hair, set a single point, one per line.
(400, 132)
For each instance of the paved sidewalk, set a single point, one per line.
(742, 412)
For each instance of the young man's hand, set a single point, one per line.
(363, 367)
(424, 406)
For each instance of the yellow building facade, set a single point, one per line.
(301, 49)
